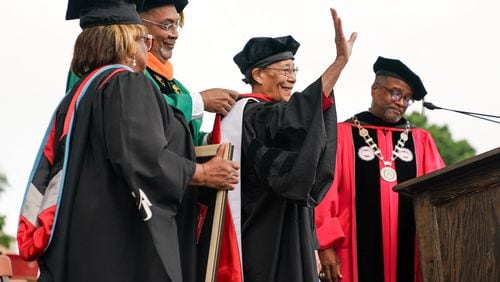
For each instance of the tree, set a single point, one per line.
(4, 238)
(3, 182)
(452, 151)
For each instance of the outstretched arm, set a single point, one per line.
(219, 100)
(344, 49)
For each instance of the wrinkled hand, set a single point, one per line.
(219, 100)
(344, 47)
(330, 265)
(219, 173)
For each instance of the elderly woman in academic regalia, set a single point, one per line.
(287, 157)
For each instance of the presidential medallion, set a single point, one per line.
(388, 174)
(405, 154)
(366, 153)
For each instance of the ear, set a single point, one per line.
(125, 61)
(257, 75)
(374, 88)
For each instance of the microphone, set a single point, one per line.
(431, 106)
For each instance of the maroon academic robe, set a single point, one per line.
(371, 227)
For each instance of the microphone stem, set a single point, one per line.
(473, 115)
(495, 121)
(430, 106)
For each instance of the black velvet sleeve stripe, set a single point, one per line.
(268, 157)
(253, 147)
(288, 163)
(262, 159)
(272, 164)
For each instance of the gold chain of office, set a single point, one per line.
(387, 172)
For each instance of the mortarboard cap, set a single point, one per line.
(104, 12)
(263, 51)
(396, 68)
(151, 4)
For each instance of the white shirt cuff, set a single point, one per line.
(205, 139)
(198, 105)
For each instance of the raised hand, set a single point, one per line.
(344, 47)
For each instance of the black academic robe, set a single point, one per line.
(288, 158)
(126, 202)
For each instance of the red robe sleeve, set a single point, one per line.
(327, 102)
(427, 153)
(328, 227)
(328, 221)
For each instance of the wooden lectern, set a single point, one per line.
(457, 216)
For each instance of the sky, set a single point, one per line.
(451, 44)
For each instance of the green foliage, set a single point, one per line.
(3, 182)
(4, 238)
(451, 151)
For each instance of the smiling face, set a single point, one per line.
(383, 106)
(275, 80)
(164, 39)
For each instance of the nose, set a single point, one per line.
(173, 33)
(291, 77)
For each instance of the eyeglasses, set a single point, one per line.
(148, 40)
(396, 95)
(167, 26)
(286, 71)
